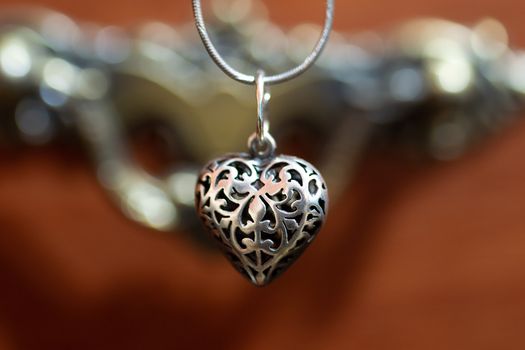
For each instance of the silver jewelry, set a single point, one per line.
(263, 209)
(274, 79)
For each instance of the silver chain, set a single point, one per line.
(273, 79)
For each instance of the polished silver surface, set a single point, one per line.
(263, 209)
(273, 79)
(262, 96)
(263, 212)
(261, 143)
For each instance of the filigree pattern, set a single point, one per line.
(263, 212)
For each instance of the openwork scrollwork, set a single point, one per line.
(263, 211)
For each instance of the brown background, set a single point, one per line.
(419, 257)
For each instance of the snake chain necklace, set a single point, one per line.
(263, 209)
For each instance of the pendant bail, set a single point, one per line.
(261, 143)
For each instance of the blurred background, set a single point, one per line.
(413, 115)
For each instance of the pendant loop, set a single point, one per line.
(261, 143)
(262, 150)
(263, 97)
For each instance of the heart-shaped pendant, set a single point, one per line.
(264, 212)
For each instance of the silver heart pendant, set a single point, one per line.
(264, 212)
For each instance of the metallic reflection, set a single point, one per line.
(15, 58)
(150, 205)
(489, 39)
(60, 75)
(34, 121)
(112, 45)
(407, 84)
(516, 72)
(182, 184)
(449, 64)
